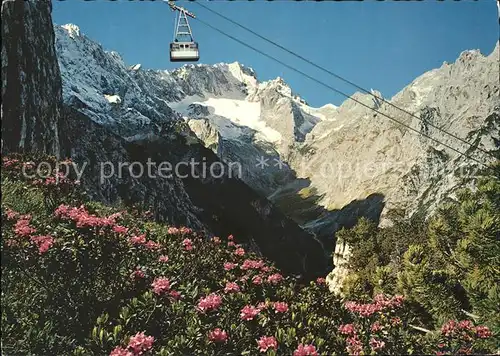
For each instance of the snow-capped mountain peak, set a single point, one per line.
(73, 30)
(242, 73)
(229, 95)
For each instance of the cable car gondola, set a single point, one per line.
(183, 48)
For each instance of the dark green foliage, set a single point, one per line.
(446, 266)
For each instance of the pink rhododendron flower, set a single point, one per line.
(185, 230)
(137, 274)
(82, 218)
(173, 231)
(230, 237)
(463, 328)
(320, 280)
(229, 266)
(11, 214)
(230, 244)
(210, 302)
(163, 258)
(380, 304)
(465, 325)
(483, 332)
(58, 179)
(120, 229)
(376, 345)
(239, 252)
(138, 240)
(362, 309)
(188, 244)
(354, 345)
(174, 294)
(217, 335)
(267, 342)
(347, 329)
(22, 227)
(249, 312)
(265, 269)
(262, 305)
(216, 240)
(280, 307)
(161, 285)
(383, 302)
(141, 343)
(396, 321)
(376, 326)
(275, 278)
(257, 280)
(120, 351)
(231, 287)
(115, 216)
(151, 245)
(43, 242)
(397, 300)
(305, 350)
(448, 328)
(7, 162)
(252, 264)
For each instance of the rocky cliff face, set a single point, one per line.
(358, 152)
(31, 83)
(341, 257)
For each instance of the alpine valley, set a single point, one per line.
(298, 185)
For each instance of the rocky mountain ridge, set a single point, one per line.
(331, 164)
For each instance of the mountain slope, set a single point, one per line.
(113, 114)
(254, 119)
(372, 154)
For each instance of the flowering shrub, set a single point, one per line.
(81, 279)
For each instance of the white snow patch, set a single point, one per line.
(237, 72)
(136, 67)
(323, 113)
(113, 99)
(72, 29)
(329, 106)
(228, 114)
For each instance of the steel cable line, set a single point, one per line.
(336, 90)
(340, 77)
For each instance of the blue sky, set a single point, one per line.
(379, 45)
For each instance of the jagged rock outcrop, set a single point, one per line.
(31, 83)
(341, 256)
(97, 151)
